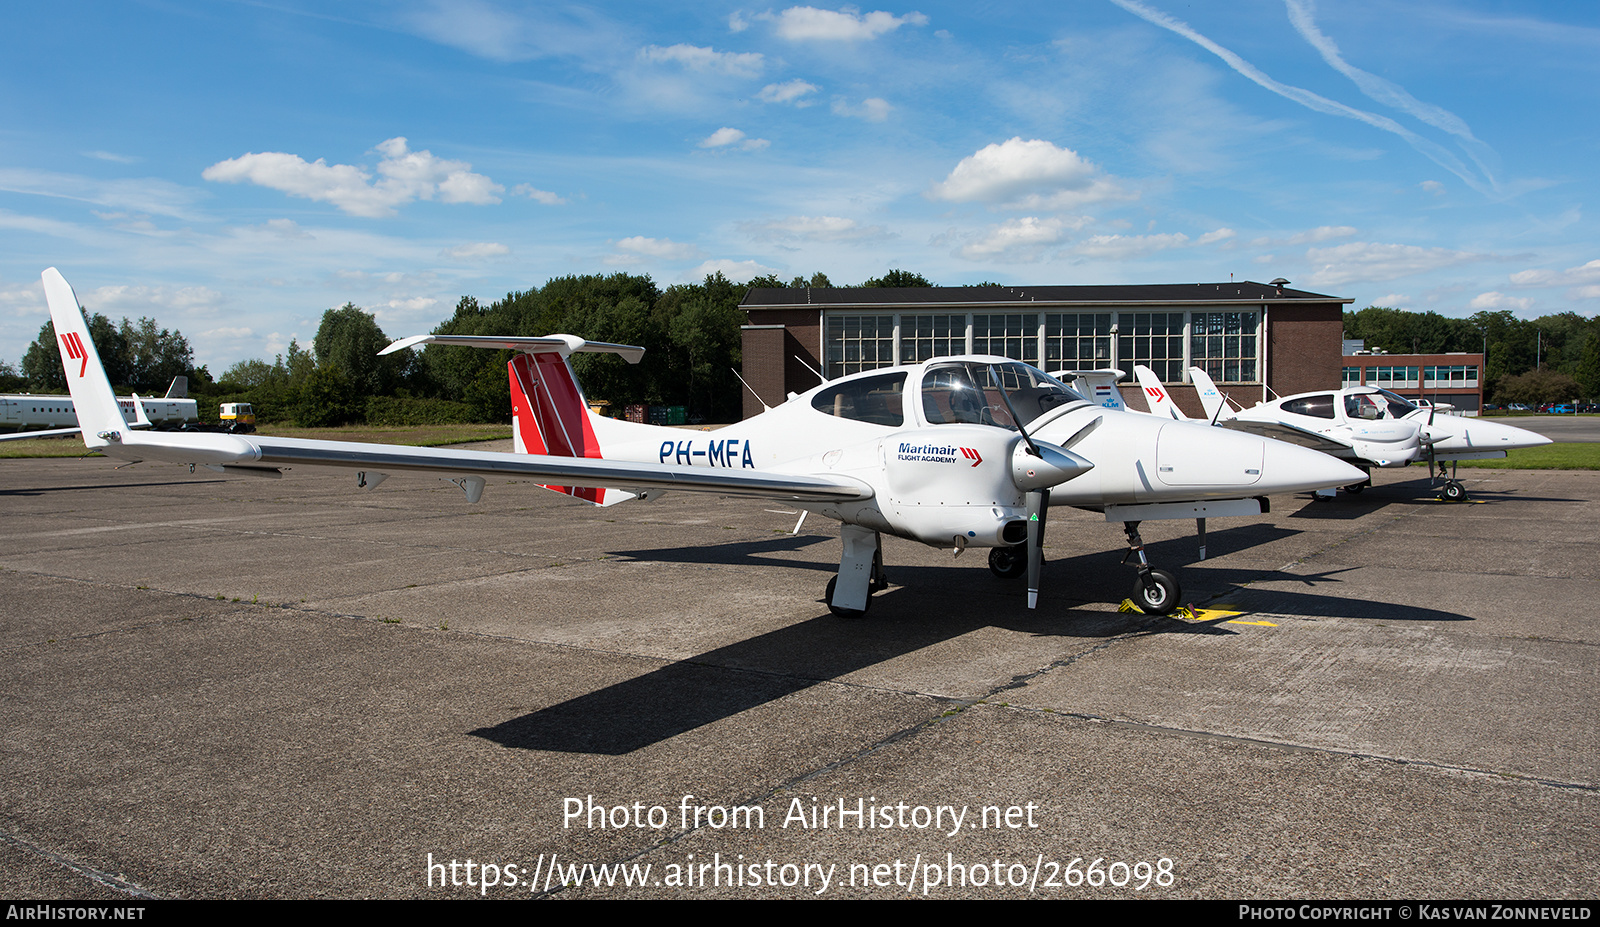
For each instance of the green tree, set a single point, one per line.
(349, 338)
(898, 278)
(138, 356)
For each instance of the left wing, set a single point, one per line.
(105, 430)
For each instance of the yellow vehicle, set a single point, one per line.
(238, 417)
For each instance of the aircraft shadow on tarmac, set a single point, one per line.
(50, 490)
(1420, 491)
(934, 606)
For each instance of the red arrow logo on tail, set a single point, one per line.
(75, 351)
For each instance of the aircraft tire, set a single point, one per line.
(1009, 562)
(1454, 492)
(1355, 489)
(1160, 596)
(844, 612)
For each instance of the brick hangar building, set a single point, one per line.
(1250, 337)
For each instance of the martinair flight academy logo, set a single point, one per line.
(74, 346)
(933, 453)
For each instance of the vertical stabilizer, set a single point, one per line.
(549, 416)
(1156, 395)
(1210, 397)
(98, 415)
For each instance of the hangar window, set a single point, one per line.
(1077, 340)
(1154, 339)
(923, 337)
(1224, 345)
(859, 342)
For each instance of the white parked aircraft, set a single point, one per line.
(1370, 425)
(50, 414)
(954, 452)
(1349, 427)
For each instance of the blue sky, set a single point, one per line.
(234, 169)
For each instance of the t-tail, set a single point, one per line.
(1211, 398)
(1156, 395)
(549, 414)
(99, 417)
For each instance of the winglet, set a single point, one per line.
(140, 419)
(98, 414)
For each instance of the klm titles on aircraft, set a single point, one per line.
(732, 452)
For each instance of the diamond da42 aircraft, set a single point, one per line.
(955, 452)
(1367, 425)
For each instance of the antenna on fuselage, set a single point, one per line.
(752, 391)
(801, 361)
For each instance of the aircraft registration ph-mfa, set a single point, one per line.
(955, 452)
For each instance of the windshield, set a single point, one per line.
(1398, 406)
(976, 393)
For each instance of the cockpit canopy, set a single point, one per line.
(1000, 394)
(971, 392)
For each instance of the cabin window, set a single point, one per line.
(1318, 406)
(877, 400)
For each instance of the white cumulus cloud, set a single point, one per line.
(1123, 247)
(808, 22)
(664, 248)
(1362, 261)
(403, 176)
(813, 228)
(476, 250)
(872, 109)
(538, 195)
(726, 136)
(1493, 301)
(707, 59)
(1309, 237)
(790, 91)
(1582, 274)
(1024, 239)
(1030, 173)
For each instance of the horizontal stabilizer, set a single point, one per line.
(564, 345)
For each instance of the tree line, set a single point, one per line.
(690, 332)
(1552, 358)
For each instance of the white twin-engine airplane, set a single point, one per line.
(1367, 425)
(955, 452)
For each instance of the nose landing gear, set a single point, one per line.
(1154, 591)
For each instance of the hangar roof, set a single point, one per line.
(1167, 294)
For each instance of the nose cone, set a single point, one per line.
(1290, 468)
(1052, 467)
(1455, 433)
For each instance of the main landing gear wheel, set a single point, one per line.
(1156, 592)
(1008, 562)
(844, 612)
(1454, 492)
(1354, 489)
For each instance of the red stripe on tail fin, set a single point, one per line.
(549, 415)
